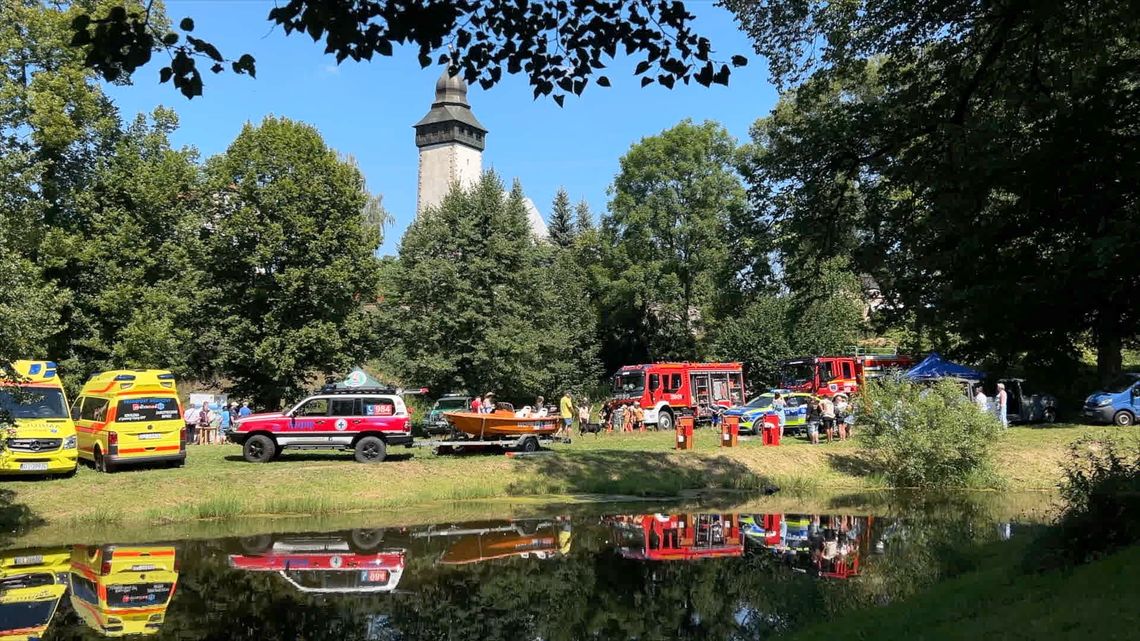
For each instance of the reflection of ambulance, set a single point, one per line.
(121, 590)
(32, 582)
(43, 439)
(130, 416)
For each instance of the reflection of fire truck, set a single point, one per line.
(485, 541)
(677, 537)
(668, 390)
(324, 563)
(32, 583)
(121, 590)
(830, 375)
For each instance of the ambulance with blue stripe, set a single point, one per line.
(37, 436)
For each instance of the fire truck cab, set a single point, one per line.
(668, 390)
(831, 375)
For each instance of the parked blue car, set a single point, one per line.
(1118, 403)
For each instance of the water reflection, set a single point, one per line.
(325, 563)
(705, 575)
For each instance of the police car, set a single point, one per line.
(752, 413)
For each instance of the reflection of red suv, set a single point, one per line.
(364, 420)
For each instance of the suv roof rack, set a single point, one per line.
(331, 389)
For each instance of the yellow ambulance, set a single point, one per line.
(130, 417)
(123, 590)
(41, 438)
(32, 583)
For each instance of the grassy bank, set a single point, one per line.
(998, 601)
(216, 484)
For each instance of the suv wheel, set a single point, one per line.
(1050, 415)
(365, 541)
(258, 448)
(1123, 418)
(370, 449)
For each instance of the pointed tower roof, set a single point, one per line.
(450, 118)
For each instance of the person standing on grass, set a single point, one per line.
(244, 411)
(1002, 404)
(203, 422)
(566, 410)
(778, 404)
(583, 414)
(981, 400)
(226, 422)
(191, 420)
(841, 410)
(827, 415)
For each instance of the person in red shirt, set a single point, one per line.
(476, 405)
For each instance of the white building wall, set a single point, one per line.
(441, 165)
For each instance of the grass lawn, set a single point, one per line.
(216, 484)
(1094, 601)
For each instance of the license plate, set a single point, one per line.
(148, 436)
(28, 560)
(33, 467)
(376, 576)
(143, 568)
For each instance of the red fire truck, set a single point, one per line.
(830, 375)
(668, 390)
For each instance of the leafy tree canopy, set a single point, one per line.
(559, 45)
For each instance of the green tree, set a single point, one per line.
(997, 183)
(289, 263)
(138, 267)
(29, 305)
(583, 218)
(480, 38)
(477, 305)
(561, 225)
(672, 206)
(760, 336)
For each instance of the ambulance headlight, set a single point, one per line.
(69, 443)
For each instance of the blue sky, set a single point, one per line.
(367, 109)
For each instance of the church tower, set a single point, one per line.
(451, 142)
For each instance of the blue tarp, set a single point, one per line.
(935, 367)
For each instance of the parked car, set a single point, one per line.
(1028, 408)
(1118, 403)
(435, 423)
(752, 414)
(364, 420)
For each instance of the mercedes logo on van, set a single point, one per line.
(34, 446)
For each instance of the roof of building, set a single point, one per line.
(451, 104)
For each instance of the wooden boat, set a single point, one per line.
(501, 424)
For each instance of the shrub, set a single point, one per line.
(925, 435)
(1101, 513)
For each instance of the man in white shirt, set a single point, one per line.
(190, 417)
(981, 400)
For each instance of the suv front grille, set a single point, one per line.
(34, 444)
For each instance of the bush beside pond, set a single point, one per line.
(925, 435)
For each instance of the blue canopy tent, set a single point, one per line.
(934, 366)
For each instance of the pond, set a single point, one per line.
(610, 572)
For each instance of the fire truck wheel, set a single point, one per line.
(370, 449)
(665, 421)
(259, 448)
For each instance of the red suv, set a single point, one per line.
(364, 420)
